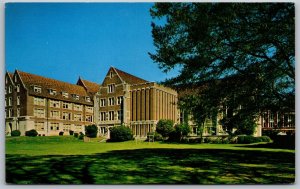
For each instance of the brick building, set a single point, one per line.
(47, 105)
(51, 106)
(134, 102)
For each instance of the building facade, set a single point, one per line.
(51, 106)
(46, 105)
(127, 100)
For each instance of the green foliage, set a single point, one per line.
(165, 127)
(248, 139)
(31, 133)
(217, 140)
(91, 131)
(120, 134)
(15, 133)
(228, 55)
(157, 136)
(81, 136)
(244, 123)
(181, 131)
(270, 133)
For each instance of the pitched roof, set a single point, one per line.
(30, 80)
(10, 74)
(128, 78)
(91, 86)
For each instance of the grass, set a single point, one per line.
(66, 160)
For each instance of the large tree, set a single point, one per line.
(243, 53)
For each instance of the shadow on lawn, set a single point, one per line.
(154, 166)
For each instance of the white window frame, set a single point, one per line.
(111, 101)
(111, 88)
(37, 89)
(77, 117)
(65, 94)
(102, 102)
(18, 112)
(18, 100)
(111, 115)
(10, 89)
(9, 101)
(88, 99)
(75, 96)
(18, 88)
(102, 116)
(119, 100)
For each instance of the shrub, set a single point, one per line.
(165, 127)
(81, 136)
(15, 133)
(179, 133)
(31, 133)
(71, 132)
(248, 139)
(157, 136)
(61, 133)
(76, 135)
(120, 133)
(91, 131)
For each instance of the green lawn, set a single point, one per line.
(66, 160)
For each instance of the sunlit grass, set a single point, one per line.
(67, 160)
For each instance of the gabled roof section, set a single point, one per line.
(91, 87)
(128, 78)
(30, 80)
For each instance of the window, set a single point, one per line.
(102, 116)
(39, 112)
(120, 114)
(10, 89)
(54, 126)
(18, 88)
(66, 127)
(111, 88)
(88, 99)
(18, 112)
(102, 102)
(89, 109)
(54, 114)
(54, 104)
(77, 107)
(75, 96)
(65, 94)
(37, 89)
(67, 105)
(66, 116)
(111, 115)
(111, 101)
(9, 101)
(18, 100)
(39, 101)
(271, 119)
(89, 118)
(52, 91)
(39, 126)
(119, 100)
(16, 79)
(77, 117)
(111, 74)
(10, 112)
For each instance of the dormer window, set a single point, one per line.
(75, 96)
(65, 94)
(88, 99)
(37, 89)
(16, 79)
(52, 91)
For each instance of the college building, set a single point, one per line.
(51, 106)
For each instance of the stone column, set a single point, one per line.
(147, 103)
(133, 108)
(138, 104)
(142, 117)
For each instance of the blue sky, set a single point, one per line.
(67, 40)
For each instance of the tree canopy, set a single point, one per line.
(243, 53)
